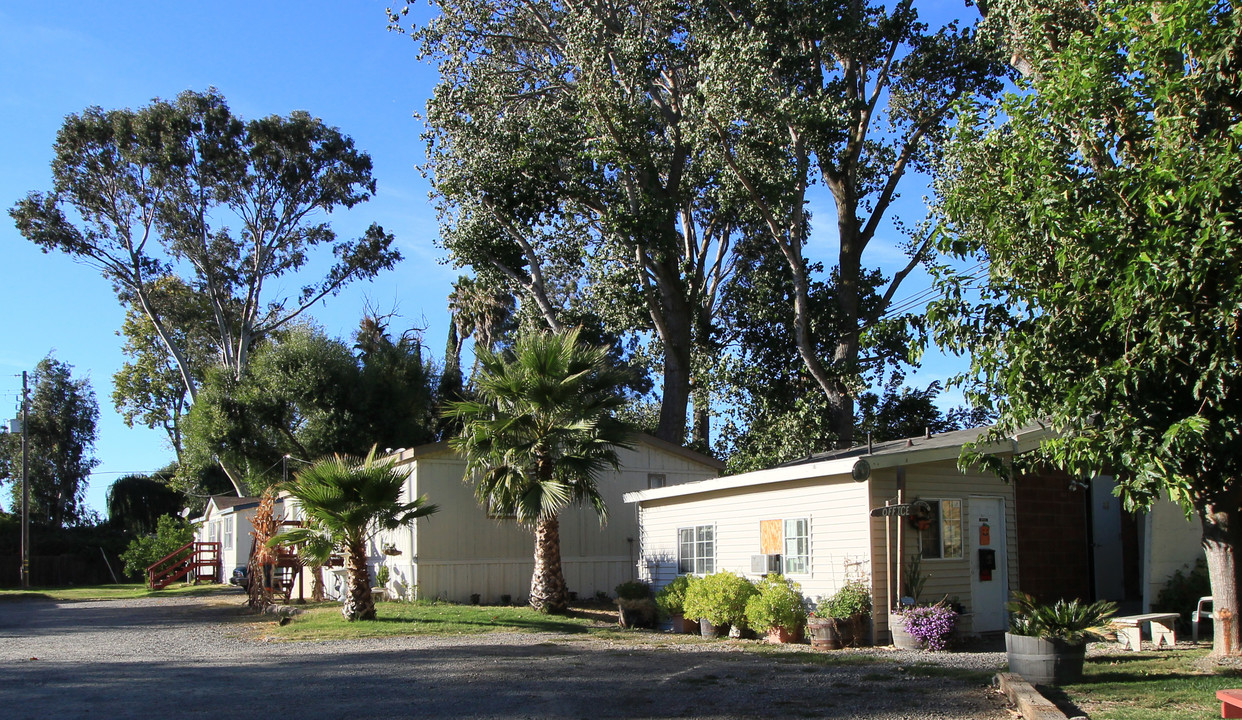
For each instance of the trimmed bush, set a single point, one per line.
(777, 604)
(672, 597)
(719, 598)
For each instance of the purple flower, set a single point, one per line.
(931, 625)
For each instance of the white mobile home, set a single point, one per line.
(227, 520)
(821, 521)
(461, 552)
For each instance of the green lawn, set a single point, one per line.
(324, 622)
(1160, 685)
(125, 591)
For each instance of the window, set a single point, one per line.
(696, 550)
(655, 480)
(228, 533)
(797, 555)
(213, 532)
(942, 538)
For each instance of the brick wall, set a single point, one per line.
(1052, 537)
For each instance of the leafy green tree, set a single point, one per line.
(1105, 195)
(348, 500)
(61, 432)
(170, 534)
(539, 432)
(567, 162)
(186, 185)
(148, 388)
(308, 395)
(137, 502)
(848, 94)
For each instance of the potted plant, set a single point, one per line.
(718, 601)
(841, 620)
(671, 599)
(635, 608)
(1047, 644)
(777, 609)
(929, 627)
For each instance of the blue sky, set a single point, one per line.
(335, 60)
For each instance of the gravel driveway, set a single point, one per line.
(184, 657)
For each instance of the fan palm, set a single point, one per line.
(347, 500)
(539, 432)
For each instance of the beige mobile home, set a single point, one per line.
(820, 521)
(461, 551)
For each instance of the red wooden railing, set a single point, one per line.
(200, 558)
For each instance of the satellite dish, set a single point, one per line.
(861, 470)
(185, 513)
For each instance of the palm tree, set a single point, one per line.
(347, 500)
(534, 440)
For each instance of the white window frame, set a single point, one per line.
(702, 561)
(656, 480)
(946, 548)
(228, 533)
(805, 537)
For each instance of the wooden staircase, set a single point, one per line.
(201, 560)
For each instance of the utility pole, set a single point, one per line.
(25, 484)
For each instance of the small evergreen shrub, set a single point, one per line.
(778, 603)
(672, 596)
(1182, 591)
(381, 576)
(170, 533)
(1072, 621)
(719, 598)
(853, 598)
(633, 590)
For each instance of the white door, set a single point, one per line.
(989, 588)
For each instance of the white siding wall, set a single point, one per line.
(459, 551)
(835, 507)
(1171, 543)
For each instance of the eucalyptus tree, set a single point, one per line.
(1104, 194)
(539, 432)
(849, 94)
(232, 207)
(562, 149)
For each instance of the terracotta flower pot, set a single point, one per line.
(779, 635)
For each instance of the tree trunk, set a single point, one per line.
(359, 605)
(317, 583)
(548, 593)
(1222, 532)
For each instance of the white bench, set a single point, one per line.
(1130, 630)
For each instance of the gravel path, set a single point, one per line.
(198, 657)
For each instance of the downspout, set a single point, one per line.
(413, 565)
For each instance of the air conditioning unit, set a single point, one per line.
(764, 564)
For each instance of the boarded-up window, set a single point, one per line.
(771, 536)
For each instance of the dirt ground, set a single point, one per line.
(198, 657)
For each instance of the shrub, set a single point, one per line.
(777, 604)
(931, 625)
(633, 590)
(1182, 591)
(381, 576)
(1072, 621)
(719, 598)
(853, 598)
(671, 597)
(170, 533)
